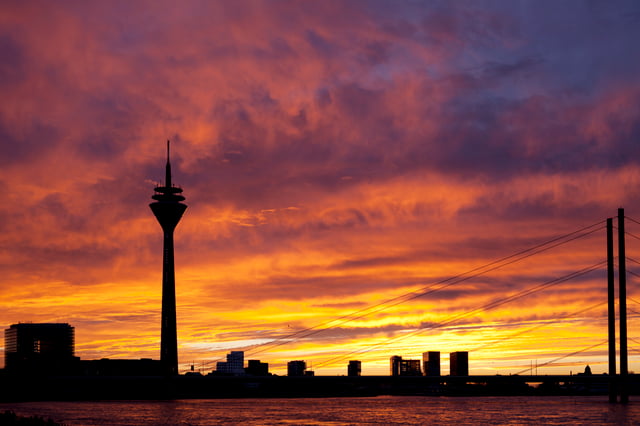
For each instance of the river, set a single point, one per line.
(384, 410)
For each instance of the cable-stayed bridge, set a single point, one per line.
(605, 265)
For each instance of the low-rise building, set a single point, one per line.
(257, 368)
(296, 368)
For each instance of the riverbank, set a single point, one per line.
(9, 418)
(20, 388)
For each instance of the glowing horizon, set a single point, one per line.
(334, 156)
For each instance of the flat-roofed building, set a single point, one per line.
(459, 364)
(40, 348)
(234, 365)
(257, 368)
(296, 368)
(394, 365)
(431, 363)
(405, 367)
(354, 368)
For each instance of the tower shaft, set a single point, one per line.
(169, 329)
(622, 295)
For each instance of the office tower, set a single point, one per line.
(296, 368)
(168, 209)
(410, 367)
(46, 348)
(431, 363)
(405, 367)
(234, 364)
(354, 368)
(459, 364)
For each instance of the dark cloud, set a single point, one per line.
(32, 144)
(12, 69)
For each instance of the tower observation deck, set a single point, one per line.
(168, 209)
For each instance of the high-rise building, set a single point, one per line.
(405, 367)
(296, 368)
(410, 367)
(354, 368)
(394, 365)
(168, 209)
(459, 363)
(431, 363)
(45, 348)
(234, 364)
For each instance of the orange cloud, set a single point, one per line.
(334, 156)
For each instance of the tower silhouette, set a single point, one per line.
(168, 209)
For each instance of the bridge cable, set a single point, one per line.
(473, 273)
(632, 219)
(632, 235)
(633, 300)
(485, 307)
(529, 330)
(564, 356)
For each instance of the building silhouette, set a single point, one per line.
(404, 367)
(394, 365)
(44, 348)
(431, 363)
(257, 368)
(120, 367)
(168, 209)
(234, 365)
(354, 368)
(296, 368)
(459, 363)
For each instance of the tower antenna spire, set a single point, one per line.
(167, 180)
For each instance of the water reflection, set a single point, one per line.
(338, 411)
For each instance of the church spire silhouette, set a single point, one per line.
(168, 209)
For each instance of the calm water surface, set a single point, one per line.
(340, 411)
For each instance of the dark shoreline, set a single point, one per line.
(77, 388)
(9, 418)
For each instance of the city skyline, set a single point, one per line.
(336, 155)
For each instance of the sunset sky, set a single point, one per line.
(335, 156)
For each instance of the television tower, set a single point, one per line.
(168, 209)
